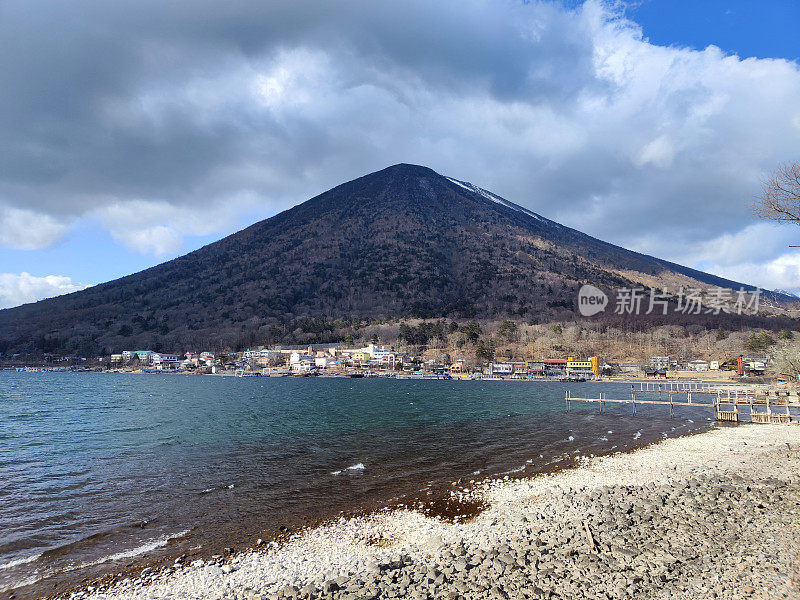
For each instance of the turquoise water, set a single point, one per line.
(101, 470)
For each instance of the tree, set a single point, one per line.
(485, 350)
(787, 360)
(759, 342)
(508, 330)
(471, 331)
(779, 199)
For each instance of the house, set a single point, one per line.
(655, 373)
(754, 366)
(303, 365)
(460, 366)
(164, 360)
(298, 357)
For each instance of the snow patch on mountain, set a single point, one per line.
(497, 199)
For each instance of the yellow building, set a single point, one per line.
(593, 365)
(360, 356)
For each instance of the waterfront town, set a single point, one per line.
(373, 360)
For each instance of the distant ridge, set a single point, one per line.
(400, 242)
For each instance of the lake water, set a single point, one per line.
(99, 472)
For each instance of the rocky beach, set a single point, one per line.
(713, 515)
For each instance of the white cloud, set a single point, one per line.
(16, 289)
(780, 273)
(157, 228)
(659, 152)
(28, 230)
(158, 240)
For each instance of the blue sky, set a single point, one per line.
(747, 28)
(127, 145)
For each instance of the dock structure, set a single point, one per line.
(730, 403)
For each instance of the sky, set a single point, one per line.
(136, 132)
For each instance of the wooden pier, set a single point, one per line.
(726, 401)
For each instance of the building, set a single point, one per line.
(754, 366)
(143, 356)
(459, 367)
(697, 365)
(658, 363)
(655, 373)
(164, 358)
(630, 367)
(583, 368)
(501, 368)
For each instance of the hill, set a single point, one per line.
(401, 242)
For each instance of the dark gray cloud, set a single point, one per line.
(132, 112)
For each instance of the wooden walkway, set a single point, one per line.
(725, 403)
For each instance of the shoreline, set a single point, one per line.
(367, 554)
(682, 377)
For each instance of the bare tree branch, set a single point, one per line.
(779, 199)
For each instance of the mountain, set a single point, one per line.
(401, 242)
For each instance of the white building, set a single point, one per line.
(502, 368)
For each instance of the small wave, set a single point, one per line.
(517, 470)
(356, 467)
(148, 547)
(637, 435)
(19, 561)
(603, 439)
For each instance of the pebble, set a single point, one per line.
(664, 523)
